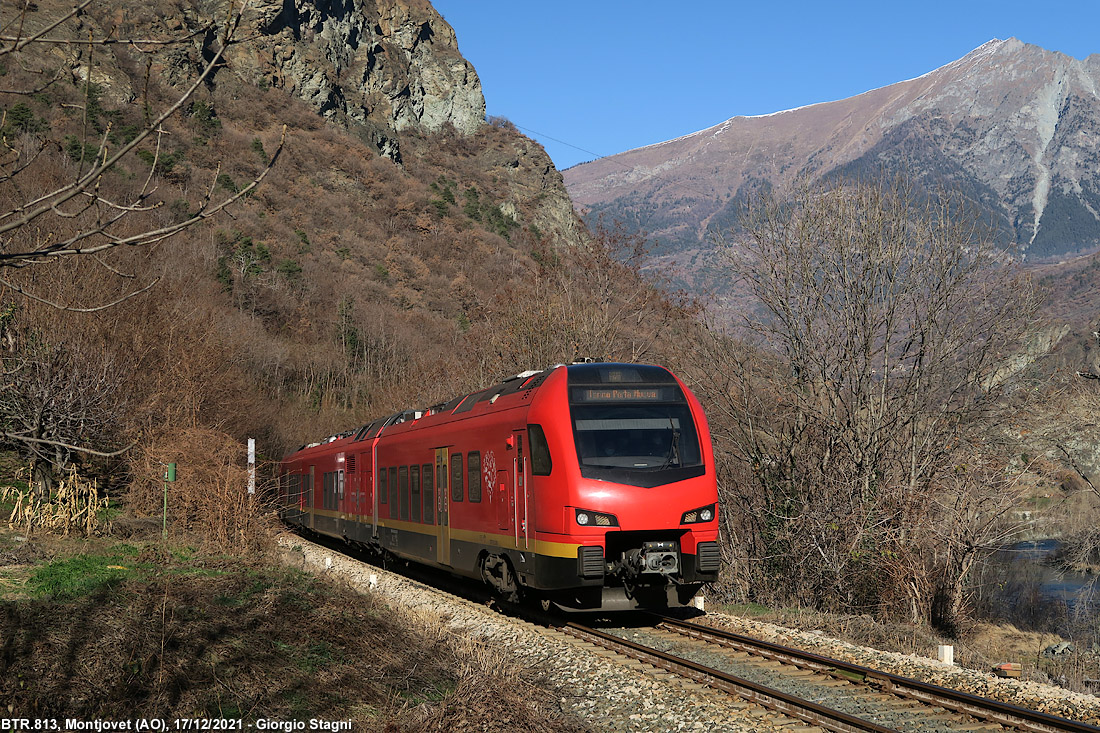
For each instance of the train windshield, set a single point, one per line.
(632, 425)
(638, 444)
(638, 436)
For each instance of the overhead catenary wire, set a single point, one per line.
(612, 159)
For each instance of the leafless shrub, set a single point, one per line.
(856, 391)
(209, 499)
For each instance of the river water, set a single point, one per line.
(1030, 589)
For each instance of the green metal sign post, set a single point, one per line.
(169, 475)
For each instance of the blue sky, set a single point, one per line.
(607, 75)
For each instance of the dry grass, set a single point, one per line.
(75, 506)
(104, 629)
(209, 498)
(490, 692)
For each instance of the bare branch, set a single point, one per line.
(22, 291)
(1077, 468)
(30, 211)
(19, 41)
(79, 449)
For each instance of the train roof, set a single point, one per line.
(587, 372)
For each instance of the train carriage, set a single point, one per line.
(590, 486)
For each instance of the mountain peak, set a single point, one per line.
(1014, 126)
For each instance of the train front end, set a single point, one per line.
(626, 510)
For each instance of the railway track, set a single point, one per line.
(816, 690)
(801, 688)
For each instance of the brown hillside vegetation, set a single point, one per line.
(346, 286)
(125, 631)
(351, 285)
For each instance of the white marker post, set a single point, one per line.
(251, 466)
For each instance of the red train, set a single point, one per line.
(590, 486)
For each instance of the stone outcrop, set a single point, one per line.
(386, 65)
(380, 68)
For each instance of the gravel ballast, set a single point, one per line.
(606, 694)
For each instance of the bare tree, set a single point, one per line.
(68, 192)
(58, 399)
(598, 305)
(882, 319)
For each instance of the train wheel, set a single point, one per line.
(497, 573)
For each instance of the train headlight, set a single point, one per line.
(589, 518)
(695, 516)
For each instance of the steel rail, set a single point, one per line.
(805, 710)
(955, 700)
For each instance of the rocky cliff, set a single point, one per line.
(1015, 127)
(385, 65)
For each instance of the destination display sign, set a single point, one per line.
(625, 394)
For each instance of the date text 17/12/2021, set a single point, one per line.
(162, 725)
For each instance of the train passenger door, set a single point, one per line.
(311, 498)
(519, 483)
(504, 495)
(443, 506)
(365, 497)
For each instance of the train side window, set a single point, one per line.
(541, 465)
(456, 477)
(394, 493)
(383, 487)
(473, 475)
(414, 483)
(403, 481)
(340, 485)
(429, 494)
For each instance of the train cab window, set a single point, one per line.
(403, 485)
(456, 477)
(414, 484)
(429, 494)
(541, 465)
(383, 487)
(473, 475)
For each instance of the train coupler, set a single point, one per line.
(661, 557)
